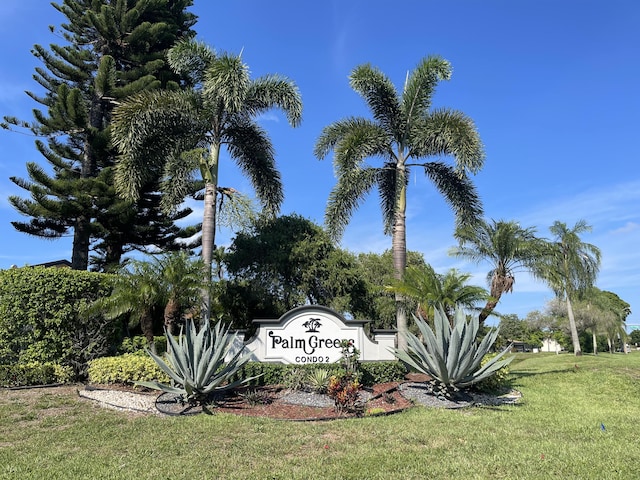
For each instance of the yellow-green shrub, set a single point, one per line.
(497, 382)
(34, 373)
(127, 369)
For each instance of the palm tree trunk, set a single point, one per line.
(574, 331)
(399, 250)
(210, 174)
(595, 342)
(146, 325)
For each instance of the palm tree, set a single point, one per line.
(432, 290)
(137, 290)
(506, 246)
(404, 131)
(172, 281)
(177, 134)
(570, 266)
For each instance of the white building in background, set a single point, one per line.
(550, 345)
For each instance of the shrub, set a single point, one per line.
(498, 382)
(34, 373)
(139, 343)
(382, 372)
(277, 373)
(40, 317)
(450, 355)
(126, 369)
(344, 390)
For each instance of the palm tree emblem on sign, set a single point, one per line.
(312, 325)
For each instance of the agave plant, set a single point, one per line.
(196, 364)
(450, 355)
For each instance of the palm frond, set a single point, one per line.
(253, 152)
(191, 59)
(227, 82)
(381, 97)
(448, 132)
(272, 91)
(146, 129)
(420, 85)
(345, 197)
(457, 190)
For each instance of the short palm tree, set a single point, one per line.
(432, 291)
(403, 133)
(179, 134)
(570, 266)
(172, 281)
(506, 246)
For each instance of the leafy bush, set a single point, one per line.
(451, 356)
(382, 372)
(126, 369)
(139, 344)
(40, 317)
(277, 373)
(344, 390)
(498, 382)
(34, 373)
(196, 363)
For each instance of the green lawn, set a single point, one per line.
(555, 432)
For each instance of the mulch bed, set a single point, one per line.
(383, 399)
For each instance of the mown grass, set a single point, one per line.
(555, 432)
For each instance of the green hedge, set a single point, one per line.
(125, 369)
(40, 319)
(279, 374)
(139, 343)
(34, 373)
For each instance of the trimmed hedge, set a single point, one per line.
(278, 374)
(40, 317)
(125, 369)
(34, 373)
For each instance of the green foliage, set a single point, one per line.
(139, 343)
(197, 365)
(318, 380)
(634, 337)
(344, 390)
(42, 319)
(34, 373)
(128, 369)
(450, 354)
(496, 383)
(382, 372)
(288, 261)
(295, 379)
(277, 373)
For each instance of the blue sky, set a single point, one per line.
(552, 87)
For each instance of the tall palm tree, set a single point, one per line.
(506, 246)
(177, 134)
(432, 290)
(569, 267)
(404, 132)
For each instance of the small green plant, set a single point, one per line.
(295, 379)
(256, 397)
(496, 383)
(349, 359)
(196, 363)
(318, 380)
(451, 355)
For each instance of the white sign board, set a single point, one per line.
(313, 334)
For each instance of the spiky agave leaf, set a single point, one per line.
(196, 362)
(450, 354)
